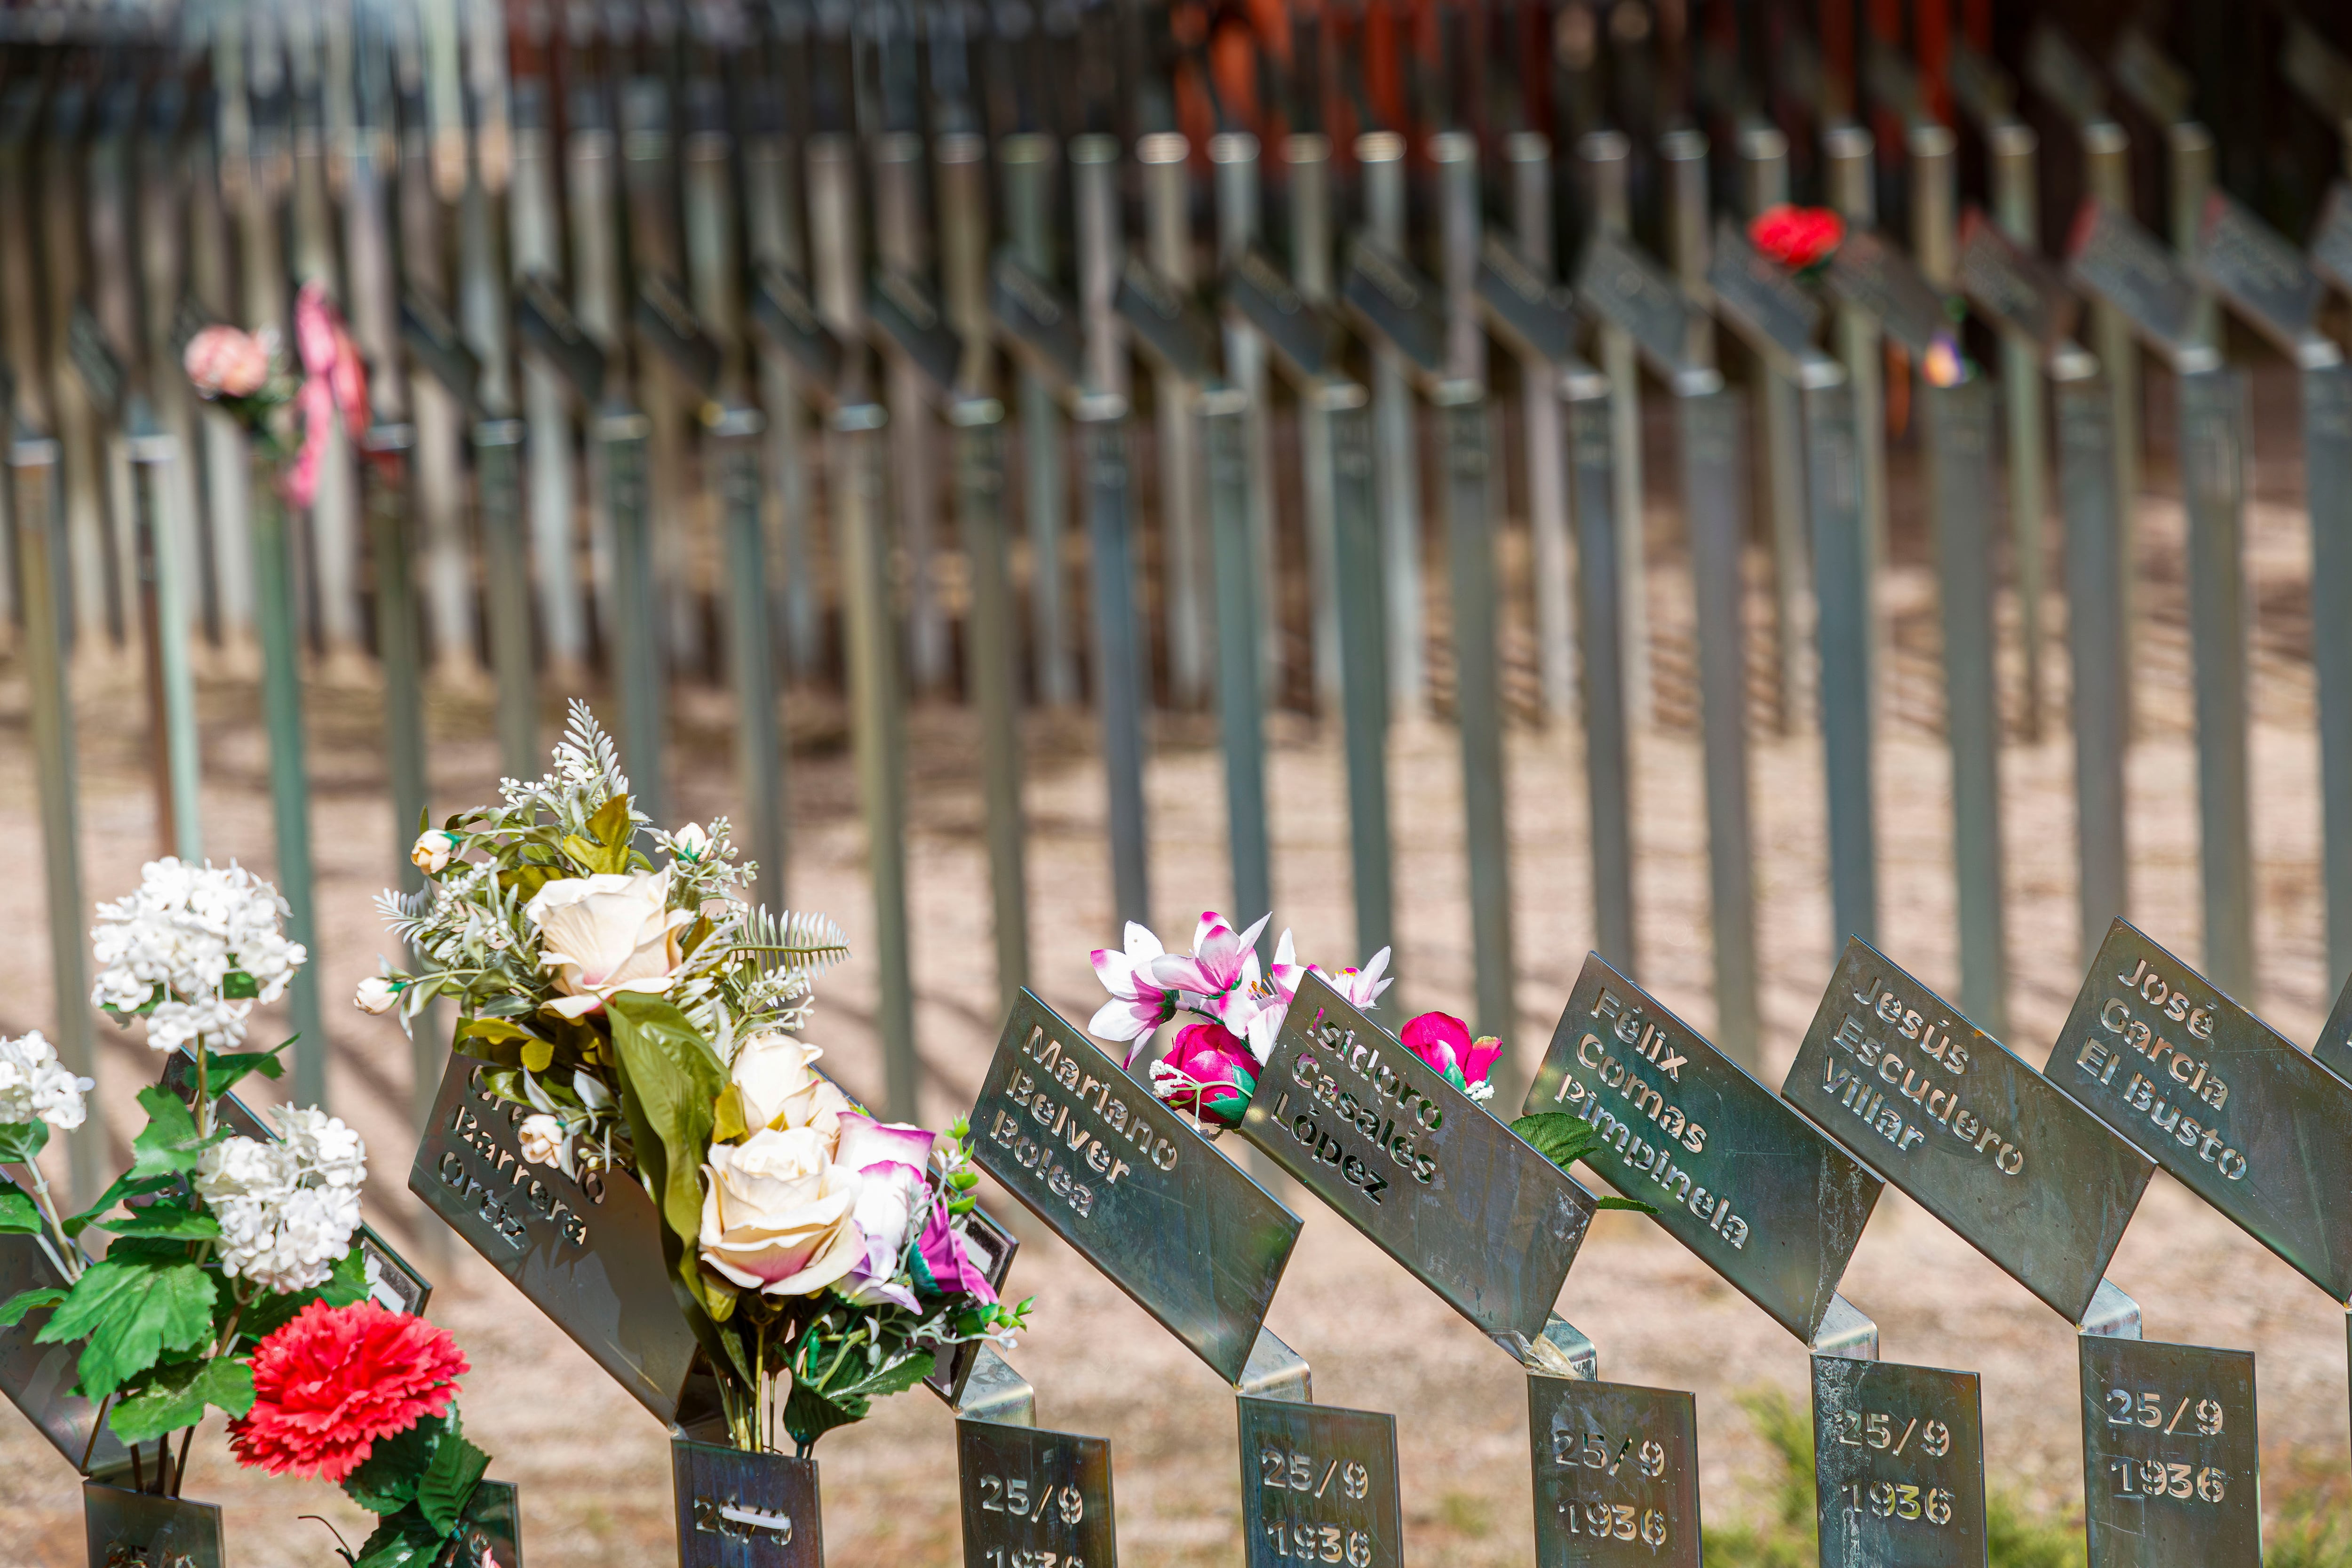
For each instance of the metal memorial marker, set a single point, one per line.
(36, 1377)
(1398, 306)
(2171, 1461)
(1130, 1184)
(1524, 306)
(125, 1529)
(2263, 277)
(546, 324)
(1301, 332)
(1870, 275)
(2012, 286)
(2227, 1105)
(2113, 259)
(1616, 1474)
(1319, 1485)
(1170, 325)
(902, 307)
(1898, 1470)
(1736, 1176)
(1034, 1499)
(1629, 290)
(1041, 325)
(785, 310)
(1443, 1188)
(739, 1510)
(1770, 309)
(1955, 1118)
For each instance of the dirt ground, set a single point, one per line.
(593, 1472)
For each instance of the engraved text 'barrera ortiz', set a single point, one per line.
(514, 1195)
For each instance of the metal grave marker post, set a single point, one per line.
(1381, 162)
(1606, 156)
(1528, 154)
(742, 1510)
(1319, 1485)
(1848, 158)
(1307, 154)
(123, 1526)
(1154, 297)
(1032, 1496)
(1764, 184)
(2171, 1460)
(36, 1377)
(1616, 1474)
(1898, 1472)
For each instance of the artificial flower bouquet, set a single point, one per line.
(646, 1016)
(289, 416)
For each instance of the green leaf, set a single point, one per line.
(125, 1185)
(1636, 1205)
(896, 1378)
(18, 1215)
(448, 1481)
(20, 1140)
(670, 1080)
(13, 1310)
(385, 1481)
(728, 1120)
(1558, 1137)
(239, 986)
(169, 1221)
(407, 1538)
(224, 1381)
(809, 1415)
(223, 1070)
(169, 1143)
(128, 1312)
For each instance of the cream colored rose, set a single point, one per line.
(782, 1087)
(777, 1214)
(607, 933)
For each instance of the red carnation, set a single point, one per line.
(1797, 238)
(330, 1383)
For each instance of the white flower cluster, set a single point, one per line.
(185, 930)
(287, 1210)
(33, 1083)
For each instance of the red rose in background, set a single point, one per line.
(1797, 238)
(336, 1379)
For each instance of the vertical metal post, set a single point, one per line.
(1600, 624)
(1168, 230)
(1364, 697)
(2016, 207)
(1849, 152)
(2212, 482)
(438, 465)
(1120, 691)
(536, 246)
(902, 245)
(166, 555)
(750, 648)
(2106, 174)
(2327, 484)
(877, 706)
(1606, 156)
(1027, 161)
(498, 479)
(290, 774)
(35, 519)
(2091, 509)
(1478, 712)
(596, 298)
(1308, 156)
(1764, 160)
(991, 665)
(1842, 591)
(1101, 254)
(1224, 416)
(2191, 169)
(1528, 154)
(624, 439)
(1396, 439)
(1234, 154)
(773, 224)
(1713, 493)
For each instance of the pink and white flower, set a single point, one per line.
(1137, 1003)
(892, 1195)
(1218, 964)
(1268, 995)
(1360, 987)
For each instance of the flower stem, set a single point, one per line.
(65, 1253)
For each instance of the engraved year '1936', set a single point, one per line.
(1024, 1557)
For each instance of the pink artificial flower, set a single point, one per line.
(1444, 1042)
(1360, 987)
(942, 1265)
(226, 362)
(1217, 964)
(333, 379)
(891, 1160)
(1137, 1003)
(1210, 1072)
(1264, 1000)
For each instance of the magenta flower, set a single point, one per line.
(1137, 1003)
(1444, 1042)
(1217, 964)
(941, 1265)
(1264, 1000)
(1360, 987)
(1210, 1072)
(891, 1161)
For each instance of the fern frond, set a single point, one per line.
(585, 735)
(803, 943)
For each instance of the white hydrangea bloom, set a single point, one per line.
(33, 1083)
(287, 1210)
(186, 929)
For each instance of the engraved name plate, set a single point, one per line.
(1319, 1485)
(1616, 1474)
(2150, 79)
(1980, 88)
(737, 1510)
(667, 319)
(2171, 1467)
(2060, 73)
(1169, 324)
(2111, 256)
(1767, 307)
(36, 1377)
(1898, 1465)
(1736, 1176)
(125, 1529)
(1957, 1119)
(1301, 333)
(546, 324)
(2252, 265)
(781, 305)
(2226, 1104)
(1534, 314)
(1132, 1185)
(2015, 288)
(899, 304)
(1034, 1498)
(1629, 290)
(1042, 326)
(1870, 275)
(1445, 1188)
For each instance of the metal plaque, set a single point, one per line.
(1898, 1465)
(2334, 1050)
(738, 1509)
(1042, 327)
(545, 322)
(1889, 76)
(2060, 73)
(433, 340)
(1396, 304)
(494, 1525)
(1629, 290)
(897, 302)
(1616, 1472)
(667, 318)
(1034, 1498)
(2150, 79)
(1169, 323)
(1526, 308)
(1873, 277)
(1736, 1177)
(2013, 286)
(2253, 267)
(1302, 335)
(1772, 310)
(2226, 1104)
(1445, 1187)
(1980, 88)
(2171, 1464)
(36, 1377)
(991, 1248)
(2322, 75)
(124, 1529)
(1132, 1185)
(94, 361)
(781, 305)
(1319, 1485)
(1954, 1118)
(2112, 257)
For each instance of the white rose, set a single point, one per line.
(541, 1139)
(782, 1087)
(376, 996)
(777, 1214)
(433, 849)
(690, 842)
(607, 933)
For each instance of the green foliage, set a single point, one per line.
(170, 1143)
(810, 1413)
(448, 1482)
(177, 1398)
(670, 1080)
(386, 1480)
(130, 1310)
(13, 1310)
(18, 1215)
(1564, 1140)
(224, 1070)
(175, 1222)
(20, 1140)
(421, 1484)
